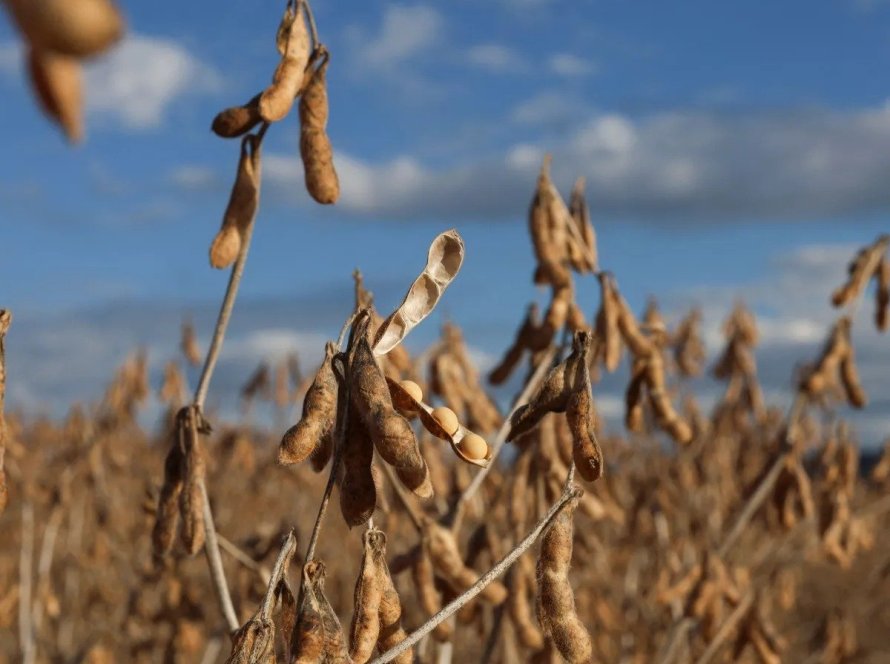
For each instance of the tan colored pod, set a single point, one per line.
(237, 120)
(449, 563)
(586, 452)
(241, 209)
(516, 351)
(860, 270)
(392, 434)
(365, 628)
(587, 261)
(391, 631)
(76, 28)
(276, 100)
(358, 486)
(56, 80)
(191, 499)
(319, 412)
(167, 516)
(521, 577)
(553, 394)
(428, 595)
(444, 260)
(607, 328)
(555, 605)
(254, 643)
(317, 154)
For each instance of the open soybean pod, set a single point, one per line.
(392, 434)
(316, 152)
(294, 42)
(555, 605)
(365, 629)
(445, 257)
(243, 202)
(319, 412)
(56, 80)
(404, 401)
(76, 28)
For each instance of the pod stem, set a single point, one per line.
(570, 493)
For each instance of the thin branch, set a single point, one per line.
(457, 511)
(569, 494)
(232, 549)
(727, 628)
(214, 561)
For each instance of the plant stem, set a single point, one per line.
(569, 494)
(214, 561)
(232, 549)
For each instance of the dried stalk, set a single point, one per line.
(214, 561)
(726, 629)
(45, 562)
(570, 493)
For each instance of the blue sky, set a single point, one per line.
(729, 148)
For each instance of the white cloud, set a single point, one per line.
(547, 108)
(141, 77)
(689, 165)
(566, 64)
(404, 32)
(495, 58)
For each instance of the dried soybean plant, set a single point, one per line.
(59, 35)
(300, 72)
